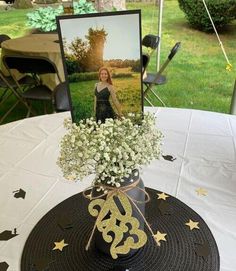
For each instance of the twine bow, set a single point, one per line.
(109, 191)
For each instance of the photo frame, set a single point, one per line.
(102, 61)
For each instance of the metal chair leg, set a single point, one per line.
(148, 101)
(30, 111)
(158, 97)
(4, 98)
(45, 107)
(147, 90)
(9, 111)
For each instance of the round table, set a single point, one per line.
(45, 45)
(198, 169)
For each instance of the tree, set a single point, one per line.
(104, 5)
(22, 4)
(87, 54)
(79, 50)
(94, 57)
(75, 54)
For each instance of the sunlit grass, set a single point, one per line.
(127, 91)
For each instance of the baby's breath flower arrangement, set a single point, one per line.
(110, 150)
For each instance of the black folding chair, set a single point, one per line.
(8, 86)
(35, 66)
(150, 42)
(4, 81)
(5, 89)
(3, 37)
(152, 79)
(61, 98)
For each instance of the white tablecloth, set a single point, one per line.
(203, 143)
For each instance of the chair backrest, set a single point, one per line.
(151, 41)
(3, 37)
(145, 59)
(156, 79)
(29, 64)
(174, 50)
(61, 96)
(145, 62)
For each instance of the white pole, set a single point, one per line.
(159, 33)
(233, 101)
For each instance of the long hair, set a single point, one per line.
(109, 75)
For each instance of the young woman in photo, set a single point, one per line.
(104, 93)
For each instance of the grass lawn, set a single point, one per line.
(13, 22)
(196, 76)
(127, 92)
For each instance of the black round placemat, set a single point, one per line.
(184, 250)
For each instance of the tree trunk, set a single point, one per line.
(24, 4)
(108, 5)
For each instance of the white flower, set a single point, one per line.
(111, 150)
(106, 156)
(97, 156)
(79, 143)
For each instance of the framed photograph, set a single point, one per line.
(102, 63)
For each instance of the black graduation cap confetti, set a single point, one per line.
(65, 221)
(3, 266)
(19, 193)
(7, 235)
(164, 207)
(120, 268)
(42, 264)
(169, 158)
(202, 250)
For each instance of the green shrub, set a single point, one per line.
(122, 75)
(45, 2)
(222, 13)
(85, 76)
(44, 19)
(72, 66)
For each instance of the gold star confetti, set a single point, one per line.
(192, 225)
(60, 245)
(201, 191)
(159, 237)
(162, 196)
